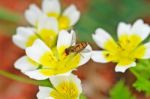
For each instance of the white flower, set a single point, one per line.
(52, 61)
(47, 31)
(127, 49)
(47, 23)
(52, 8)
(64, 87)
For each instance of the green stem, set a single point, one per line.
(25, 80)
(17, 78)
(29, 81)
(9, 15)
(134, 72)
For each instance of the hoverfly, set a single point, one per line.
(76, 48)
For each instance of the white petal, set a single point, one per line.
(64, 74)
(147, 53)
(141, 29)
(99, 57)
(119, 68)
(44, 93)
(22, 35)
(48, 23)
(123, 28)
(64, 38)
(72, 13)
(24, 64)
(85, 55)
(32, 14)
(49, 98)
(19, 41)
(100, 37)
(25, 31)
(37, 50)
(56, 80)
(73, 37)
(35, 74)
(51, 6)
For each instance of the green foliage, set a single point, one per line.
(9, 15)
(100, 13)
(9, 20)
(120, 91)
(149, 38)
(108, 13)
(142, 73)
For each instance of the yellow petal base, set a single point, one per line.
(65, 90)
(58, 63)
(64, 22)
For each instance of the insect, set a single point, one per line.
(76, 48)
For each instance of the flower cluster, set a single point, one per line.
(41, 61)
(46, 43)
(52, 52)
(128, 47)
(46, 23)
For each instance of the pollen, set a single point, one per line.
(126, 51)
(65, 90)
(48, 36)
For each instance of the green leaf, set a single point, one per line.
(142, 73)
(120, 91)
(142, 85)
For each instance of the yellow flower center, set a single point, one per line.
(126, 51)
(30, 40)
(65, 90)
(48, 36)
(64, 22)
(57, 62)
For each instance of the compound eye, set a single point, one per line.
(67, 51)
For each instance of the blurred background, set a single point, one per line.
(97, 79)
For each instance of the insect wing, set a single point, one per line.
(86, 51)
(73, 42)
